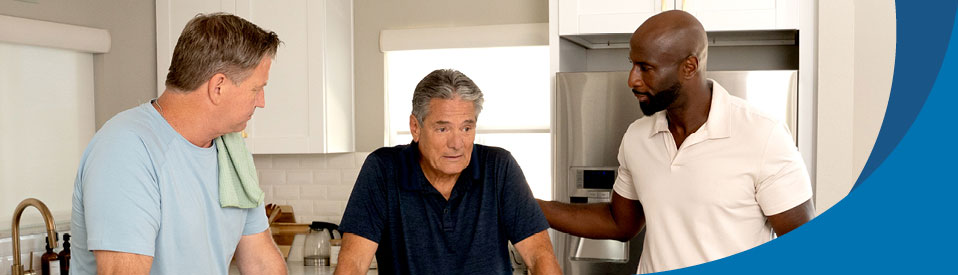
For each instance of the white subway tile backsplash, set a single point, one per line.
(315, 161)
(313, 191)
(360, 159)
(271, 177)
(327, 176)
(341, 161)
(299, 177)
(287, 161)
(263, 161)
(350, 175)
(316, 185)
(268, 189)
(339, 192)
(328, 208)
(304, 207)
(287, 192)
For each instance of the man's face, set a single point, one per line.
(242, 99)
(446, 136)
(654, 82)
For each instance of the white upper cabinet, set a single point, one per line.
(624, 16)
(733, 15)
(309, 98)
(606, 16)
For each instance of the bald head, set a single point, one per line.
(670, 37)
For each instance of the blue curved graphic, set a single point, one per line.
(900, 220)
(922, 37)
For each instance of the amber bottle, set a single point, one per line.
(50, 261)
(65, 255)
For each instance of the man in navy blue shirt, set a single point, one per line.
(443, 205)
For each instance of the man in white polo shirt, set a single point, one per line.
(709, 177)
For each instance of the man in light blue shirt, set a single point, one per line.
(146, 198)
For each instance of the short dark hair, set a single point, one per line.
(218, 43)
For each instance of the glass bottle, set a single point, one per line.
(49, 261)
(65, 255)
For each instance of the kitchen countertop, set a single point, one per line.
(297, 268)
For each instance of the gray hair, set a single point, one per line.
(444, 84)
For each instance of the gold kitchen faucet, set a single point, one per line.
(17, 268)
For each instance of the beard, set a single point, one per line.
(660, 101)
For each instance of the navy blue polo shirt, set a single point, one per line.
(420, 232)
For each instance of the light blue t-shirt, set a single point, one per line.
(143, 188)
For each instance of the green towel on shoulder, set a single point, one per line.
(239, 185)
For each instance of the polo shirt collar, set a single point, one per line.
(717, 125)
(412, 177)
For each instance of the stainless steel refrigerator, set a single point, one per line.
(592, 112)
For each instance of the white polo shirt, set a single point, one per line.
(709, 199)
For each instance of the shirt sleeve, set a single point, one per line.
(256, 220)
(121, 198)
(520, 213)
(623, 180)
(365, 211)
(783, 179)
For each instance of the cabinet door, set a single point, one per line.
(309, 99)
(607, 16)
(283, 126)
(724, 15)
(309, 96)
(338, 116)
(171, 17)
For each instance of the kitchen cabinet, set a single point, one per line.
(623, 16)
(734, 15)
(309, 99)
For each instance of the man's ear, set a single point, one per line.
(414, 127)
(214, 88)
(690, 67)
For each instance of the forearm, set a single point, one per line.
(350, 266)
(793, 218)
(268, 265)
(595, 220)
(536, 252)
(112, 262)
(258, 254)
(356, 255)
(544, 264)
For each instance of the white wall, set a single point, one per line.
(373, 16)
(856, 63)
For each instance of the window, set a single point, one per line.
(516, 112)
